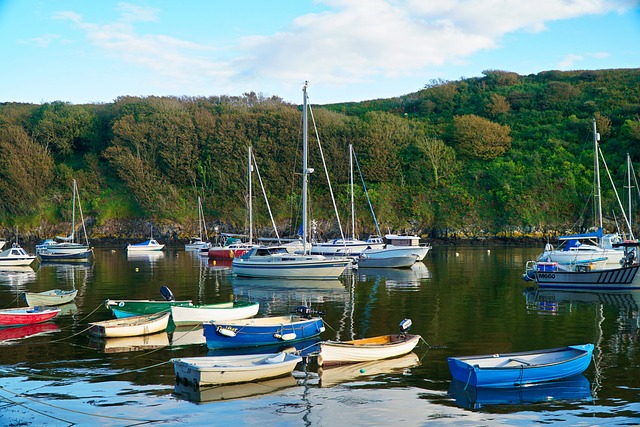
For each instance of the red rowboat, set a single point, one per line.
(27, 315)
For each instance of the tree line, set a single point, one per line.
(496, 152)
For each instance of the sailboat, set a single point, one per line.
(276, 261)
(594, 250)
(350, 246)
(66, 248)
(196, 243)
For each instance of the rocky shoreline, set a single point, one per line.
(121, 232)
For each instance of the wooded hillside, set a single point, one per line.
(495, 153)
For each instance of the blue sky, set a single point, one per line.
(83, 51)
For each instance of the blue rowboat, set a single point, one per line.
(263, 331)
(515, 369)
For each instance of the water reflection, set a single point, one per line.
(575, 388)
(17, 276)
(128, 344)
(398, 278)
(236, 391)
(334, 375)
(147, 257)
(7, 335)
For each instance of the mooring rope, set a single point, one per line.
(22, 395)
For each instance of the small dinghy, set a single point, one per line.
(52, 297)
(128, 308)
(516, 369)
(197, 314)
(201, 371)
(27, 315)
(368, 349)
(131, 326)
(262, 331)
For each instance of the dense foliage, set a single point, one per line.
(496, 153)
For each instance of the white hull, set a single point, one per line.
(216, 312)
(604, 280)
(130, 326)
(148, 248)
(365, 350)
(52, 297)
(201, 371)
(387, 257)
(299, 267)
(64, 249)
(419, 251)
(18, 261)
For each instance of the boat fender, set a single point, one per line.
(288, 337)
(121, 304)
(321, 329)
(226, 332)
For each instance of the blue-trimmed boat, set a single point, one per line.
(263, 331)
(516, 369)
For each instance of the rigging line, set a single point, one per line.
(326, 172)
(266, 200)
(21, 395)
(375, 220)
(615, 190)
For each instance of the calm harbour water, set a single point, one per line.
(462, 301)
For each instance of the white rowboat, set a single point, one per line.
(201, 371)
(131, 326)
(52, 297)
(197, 314)
(366, 349)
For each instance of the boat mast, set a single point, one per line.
(629, 193)
(353, 213)
(305, 170)
(73, 214)
(596, 138)
(250, 201)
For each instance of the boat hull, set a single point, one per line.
(605, 280)
(515, 369)
(128, 308)
(373, 260)
(27, 315)
(193, 315)
(294, 269)
(76, 255)
(214, 370)
(130, 326)
(365, 350)
(256, 332)
(52, 297)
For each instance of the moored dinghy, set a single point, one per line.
(515, 369)
(52, 297)
(196, 314)
(368, 349)
(131, 326)
(27, 315)
(128, 308)
(262, 331)
(212, 370)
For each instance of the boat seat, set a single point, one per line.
(278, 358)
(516, 360)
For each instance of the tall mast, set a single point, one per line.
(596, 150)
(629, 193)
(250, 202)
(73, 214)
(353, 211)
(305, 170)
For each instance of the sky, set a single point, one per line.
(83, 51)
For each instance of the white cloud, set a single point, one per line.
(351, 42)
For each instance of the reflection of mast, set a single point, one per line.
(597, 355)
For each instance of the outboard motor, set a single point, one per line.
(167, 294)
(306, 312)
(405, 325)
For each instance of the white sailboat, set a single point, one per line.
(277, 262)
(197, 243)
(350, 246)
(588, 250)
(66, 248)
